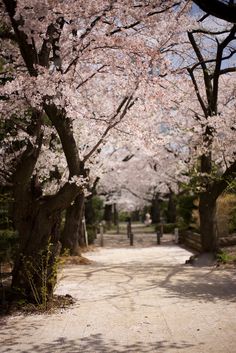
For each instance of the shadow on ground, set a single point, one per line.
(182, 281)
(96, 343)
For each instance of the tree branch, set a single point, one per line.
(207, 80)
(126, 105)
(27, 50)
(218, 9)
(64, 129)
(90, 77)
(203, 106)
(219, 186)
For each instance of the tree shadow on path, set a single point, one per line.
(97, 344)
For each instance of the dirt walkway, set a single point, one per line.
(140, 300)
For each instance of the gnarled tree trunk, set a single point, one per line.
(34, 272)
(72, 238)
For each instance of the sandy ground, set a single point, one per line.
(139, 299)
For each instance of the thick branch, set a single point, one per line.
(63, 198)
(64, 129)
(232, 52)
(190, 71)
(27, 50)
(26, 165)
(218, 9)
(201, 60)
(218, 187)
(53, 36)
(217, 70)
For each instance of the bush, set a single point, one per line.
(8, 245)
(92, 233)
(232, 224)
(167, 227)
(185, 207)
(226, 214)
(123, 216)
(94, 210)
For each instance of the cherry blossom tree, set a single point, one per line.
(56, 49)
(216, 105)
(206, 115)
(199, 118)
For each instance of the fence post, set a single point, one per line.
(176, 235)
(101, 235)
(161, 229)
(85, 231)
(131, 239)
(118, 228)
(129, 231)
(158, 237)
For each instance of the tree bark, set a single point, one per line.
(171, 208)
(115, 215)
(208, 223)
(155, 209)
(36, 219)
(207, 209)
(108, 215)
(71, 238)
(34, 272)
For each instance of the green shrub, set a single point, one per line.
(123, 216)
(167, 227)
(185, 207)
(232, 223)
(92, 232)
(224, 257)
(8, 245)
(94, 210)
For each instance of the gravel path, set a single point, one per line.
(134, 300)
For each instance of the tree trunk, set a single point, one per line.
(171, 208)
(115, 215)
(108, 215)
(155, 209)
(36, 219)
(72, 238)
(34, 272)
(208, 225)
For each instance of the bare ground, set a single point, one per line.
(139, 299)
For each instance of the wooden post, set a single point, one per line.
(129, 230)
(118, 228)
(158, 237)
(161, 229)
(85, 232)
(131, 239)
(2, 289)
(176, 235)
(101, 235)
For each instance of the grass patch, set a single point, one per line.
(227, 256)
